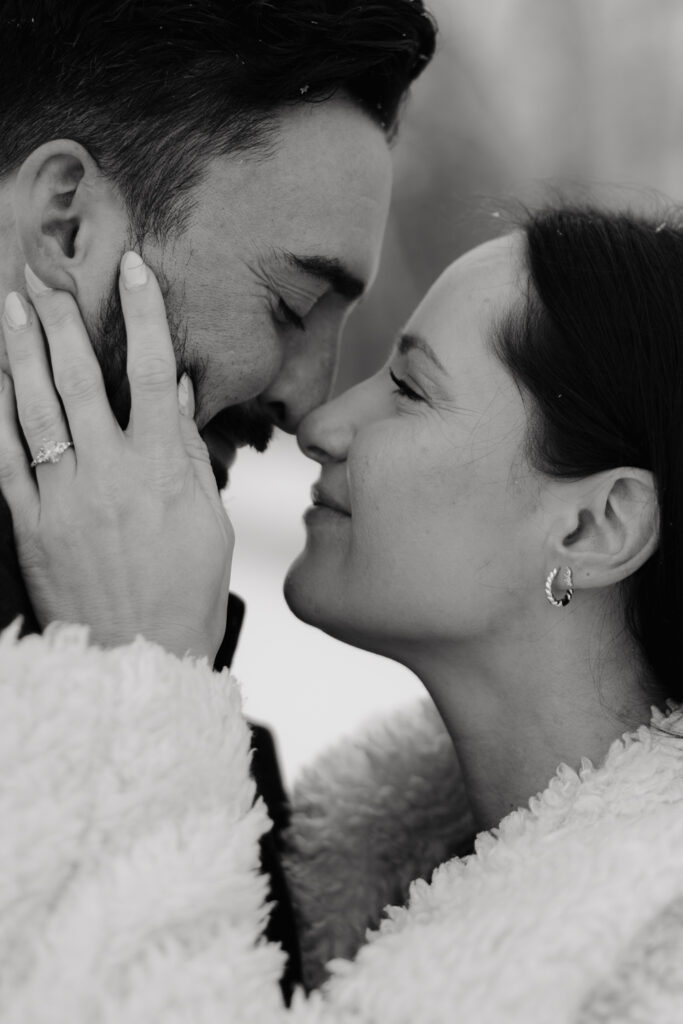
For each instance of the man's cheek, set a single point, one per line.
(233, 367)
(248, 367)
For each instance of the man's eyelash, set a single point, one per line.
(291, 316)
(403, 389)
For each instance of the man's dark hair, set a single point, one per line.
(599, 347)
(153, 88)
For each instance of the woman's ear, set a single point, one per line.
(615, 527)
(71, 221)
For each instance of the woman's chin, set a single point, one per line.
(302, 592)
(316, 599)
(313, 595)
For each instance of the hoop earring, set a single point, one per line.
(567, 582)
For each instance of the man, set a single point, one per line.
(241, 146)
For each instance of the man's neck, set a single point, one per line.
(14, 599)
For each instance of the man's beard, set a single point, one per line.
(243, 424)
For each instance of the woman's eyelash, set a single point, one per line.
(291, 316)
(403, 389)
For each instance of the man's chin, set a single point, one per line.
(222, 454)
(220, 472)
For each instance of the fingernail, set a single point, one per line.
(133, 270)
(34, 282)
(186, 396)
(16, 311)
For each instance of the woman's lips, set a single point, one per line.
(322, 499)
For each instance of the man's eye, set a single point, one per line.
(403, 389)
(290, 316)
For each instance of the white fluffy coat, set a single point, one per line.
(130, 891)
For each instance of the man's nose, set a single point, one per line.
(304, 382)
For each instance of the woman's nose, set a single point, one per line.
(326, 433)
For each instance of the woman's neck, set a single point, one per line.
(517, 706)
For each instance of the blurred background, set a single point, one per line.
(523, 95)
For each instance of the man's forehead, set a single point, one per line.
(321, 203)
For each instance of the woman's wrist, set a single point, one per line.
(179, 642)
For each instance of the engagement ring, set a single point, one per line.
(51, 452)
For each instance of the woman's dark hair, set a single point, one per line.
(153, 88)
(598, 345)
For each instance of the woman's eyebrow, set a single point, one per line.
(407, 341)
(329, 269)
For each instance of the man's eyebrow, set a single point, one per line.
(329, 269)
(407, 341)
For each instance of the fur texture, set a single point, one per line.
(369, 817)
(129, 886)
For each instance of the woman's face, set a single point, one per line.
(436, 533)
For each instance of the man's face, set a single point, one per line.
(272, 241)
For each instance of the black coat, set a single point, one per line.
(281, 926)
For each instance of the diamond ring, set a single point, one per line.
(50, 451)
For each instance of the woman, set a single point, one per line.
(499, 510)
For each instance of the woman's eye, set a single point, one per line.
(290, 316)
(403, 389)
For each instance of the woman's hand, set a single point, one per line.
(126, 532)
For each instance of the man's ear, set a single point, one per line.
(71, 220)
(613, 527)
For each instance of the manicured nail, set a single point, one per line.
(35, 284)
(16, 311)
(133, 271)
(186, 396)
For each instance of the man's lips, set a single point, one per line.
(246, 423)
(232, 428)
(321, 497)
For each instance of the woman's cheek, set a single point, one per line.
(382, 497)
(369, 471)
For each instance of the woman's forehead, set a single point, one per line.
(495, 265)
(471, 294)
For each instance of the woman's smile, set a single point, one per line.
(323, 500)
(423, 452)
